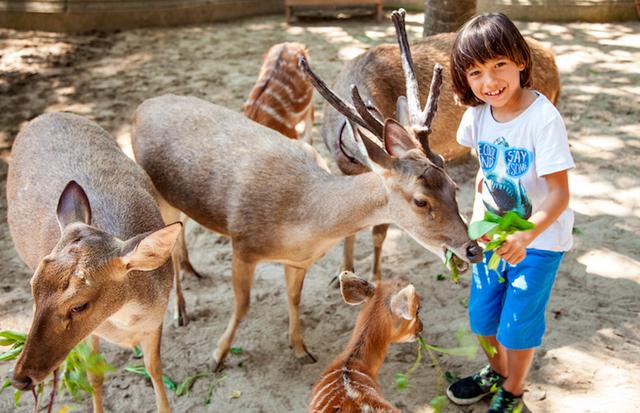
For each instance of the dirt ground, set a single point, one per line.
(590, 358)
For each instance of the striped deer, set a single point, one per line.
(378, 75)
(83, 217)
(282, 96)
(390, 315)
(276, 199)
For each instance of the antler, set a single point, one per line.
(420, 120)
(367, 121)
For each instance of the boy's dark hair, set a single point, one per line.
(484, 37)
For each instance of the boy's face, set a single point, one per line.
(496, 82)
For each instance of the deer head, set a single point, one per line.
(396, 307)
(81, 283)
(421, 194)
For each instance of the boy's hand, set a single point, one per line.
(514, 248)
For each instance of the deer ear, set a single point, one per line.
(355, 290)
(397, 140)
(403, 303)
(149, 251)
(73, 206)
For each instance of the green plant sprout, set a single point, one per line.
(141, 370)
(466, 348)
(451, 265)
(497, 228)
(74, 370)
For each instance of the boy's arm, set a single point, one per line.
(513, 250)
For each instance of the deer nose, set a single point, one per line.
(474, 252)
(21, 383)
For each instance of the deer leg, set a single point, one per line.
(169, 216)
(180, 317)
(347, 259)
(151, 350)
(96, 379)
(379, 233)
(295, 279)
(185, 263)
(242, 279)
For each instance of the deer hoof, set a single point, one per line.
(306, 357)
(218, 362)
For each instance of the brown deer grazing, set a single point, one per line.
(390, 315)
(282, 95)
(277, 200)
(378, 75)
(99, 251)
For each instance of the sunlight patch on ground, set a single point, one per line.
(600, 146)
(349, 52)
(592, 198)
(603, 385)
(111, 67)
(610, 264)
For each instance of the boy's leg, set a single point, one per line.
(498, 361)
(518, 365)
(485, 306)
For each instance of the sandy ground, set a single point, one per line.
(590, 358)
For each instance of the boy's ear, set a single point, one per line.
(355, 290)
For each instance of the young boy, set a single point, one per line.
(524, 157)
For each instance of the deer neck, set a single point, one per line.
(369, 345)
(347, 204)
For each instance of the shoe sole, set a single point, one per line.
(464, 402)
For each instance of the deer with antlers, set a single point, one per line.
(84, 218)
(276, 199)
(378, 75)
(390, 315)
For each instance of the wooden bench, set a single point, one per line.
(290, 4)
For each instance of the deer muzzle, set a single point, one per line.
(21, 382)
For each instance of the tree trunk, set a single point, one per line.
(442, 16)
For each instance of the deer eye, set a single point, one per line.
(79, 308)
(420, 203)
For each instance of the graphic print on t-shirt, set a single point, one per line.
(502, 167)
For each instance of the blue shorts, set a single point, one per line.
(513, 310)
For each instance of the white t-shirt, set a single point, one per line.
(514, 156)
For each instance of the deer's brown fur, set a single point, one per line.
(282, 95)
(390, 315)
(99, 251)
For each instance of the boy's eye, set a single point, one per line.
(473, 73)
(500, 64)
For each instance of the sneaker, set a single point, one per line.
(473, 388)
(505, 402)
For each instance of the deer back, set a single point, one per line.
(230, 174)
(55, 149)
(282, 95)
(379, 76)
